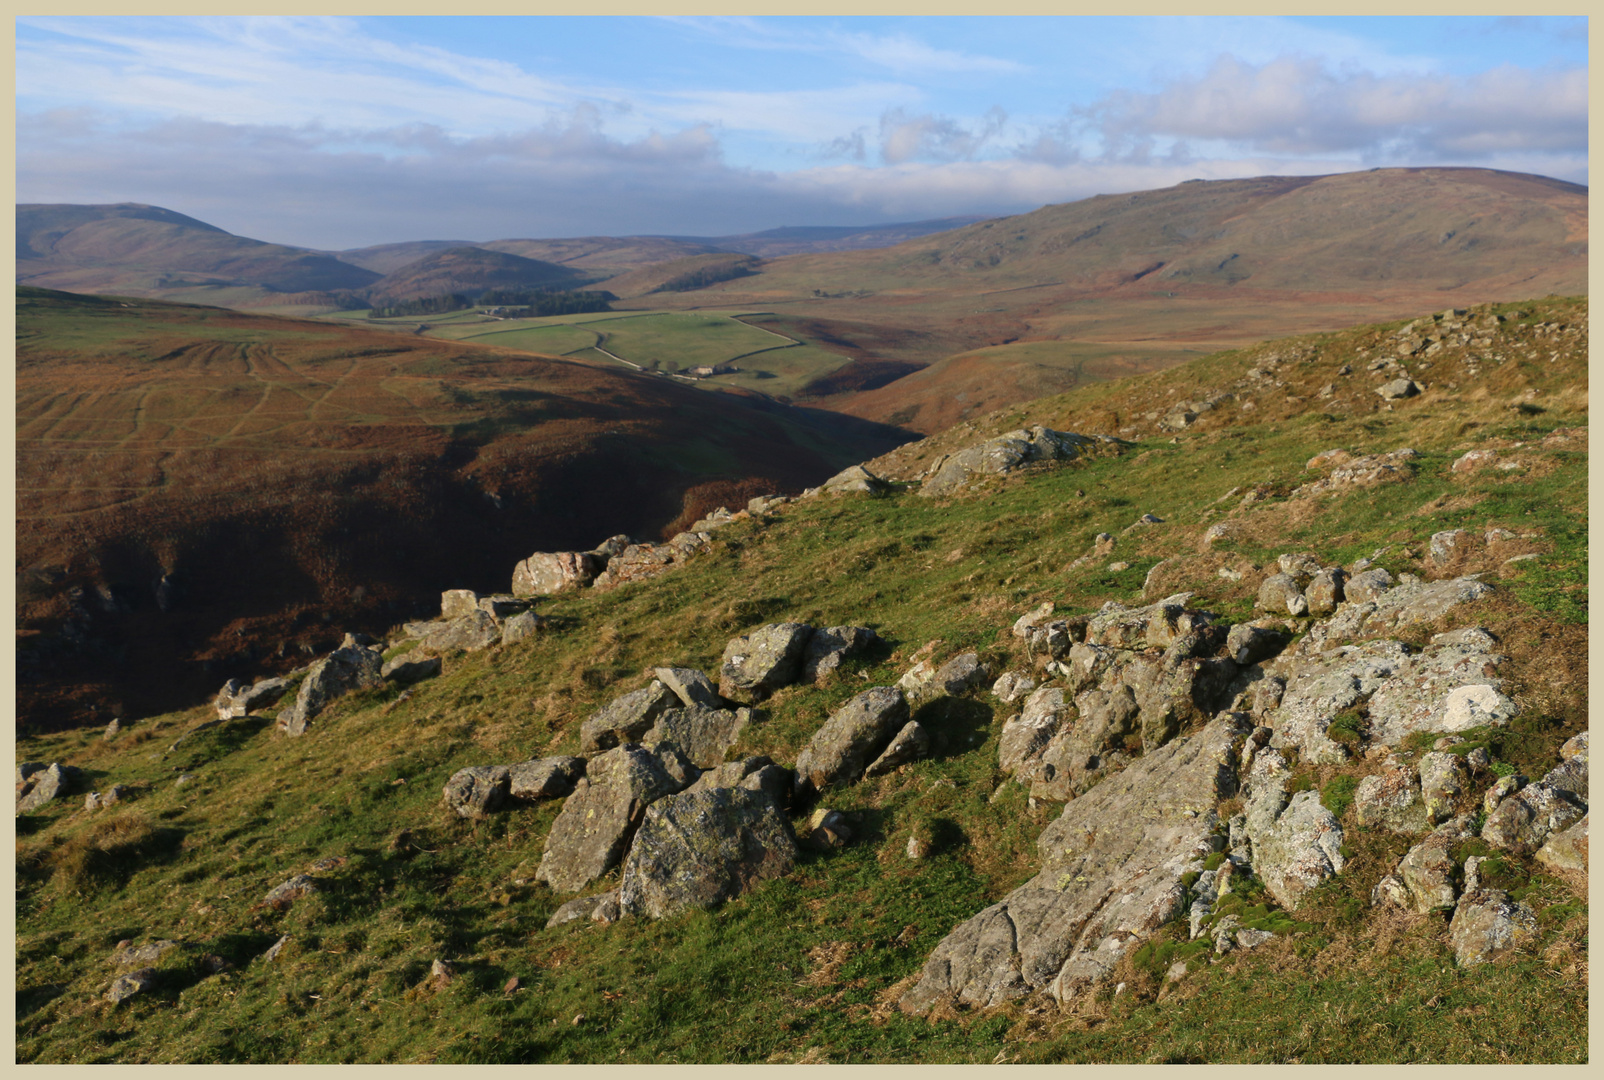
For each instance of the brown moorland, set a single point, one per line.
(203, 493)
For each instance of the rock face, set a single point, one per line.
(544, 778)
(43, 785)
(758, 663)
(1111, 874)
(1025, 735)
(352, 667)
(827, 648)
(625, 719)
(474, 792)
(700, 848)
(1155, 626)
(597, 821)
(1391, 800)
(1399, 607)
(1001, 455)
(548, 572)
(701, 733)
(851, 738)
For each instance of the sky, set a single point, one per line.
(335, 133)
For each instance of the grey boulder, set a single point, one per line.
(474, 792)
(353, 667)
(703, 734)
(827, 648)
(692, 687)
(597, 821)
(851, 738)
(760, 662)
(126, 986)
(907, 745)
(1487, 925)
(625, 719)
(544, 778)
(46, 784)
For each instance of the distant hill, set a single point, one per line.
(806, 239)
(133, 249)
(682, 275)
(471, 270)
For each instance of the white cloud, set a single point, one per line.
(906, 138)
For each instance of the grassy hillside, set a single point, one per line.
(808, 967)
(291, 476)
(471, 270)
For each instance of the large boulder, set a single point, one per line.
(907, 745)
(1488, 925)
(1324, 685)
(1001, 455)
(455, 603)
(1112, 870)
(473, 630)
(692, 687)
(626, 719)
(352, 667)
(828, 647)
(1447, 687)
(1155, 626)
(851, 738)
(548, 572)
(1523, 822)
(597, 821)
(760, 662)
(854, 480)
(1566, 851)
(1425, 878)
(701, 733)
(756, 773)
(700, 848)
(639, 562)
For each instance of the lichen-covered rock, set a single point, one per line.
(1011, 686)
(827, 648)
(1083, 751)
(1302, 849)
(474, 630)
(851, 738)
(1487, 925)
(854, 480)
(1280, 594)
(455, 603)
(1391, 800)
(1424, 878)
(547, 572)
(909, 744)
(1111, 874)
(525, 624)
(1575, 747)
(597, 821)
(760, 662)
(698, 849)
(1367, 471)
(1570, 776)
(354, 667)
(602, 908)
(475, 791)
(544, 778)
(1320, 687)
(41, 786)
(1155, 626)
(702, 733)
(1525, 820)
(1325, 591)
(1400, 607)
(639, 562)
(1566, 851)
(127, 954)
(625, 719)
(1001, 455)
(755, 773)
(1443, 779)
(1366, 585)
(1450, 544)
(1026, 735)
(959, 675)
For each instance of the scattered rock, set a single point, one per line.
(1001, 455)
(43, 785)
(827, 830)
(1443, 779)
(625, 719)
(909, 744)
(959, 675)
(1012, 686)
(597, 821)
(1392, 801)
(1325, 591)
(354, 667)
(854, 480)
(851, 738)
(1155, 626)
(115, 794)
(410, 667)
(283, 895)
(126, 986)
(760, 662)
(1424, 878)
(1450, 544)
(1566, 851)
(523, 625)
(276, 948)
(701, 848)
(1406, 604)
(127, 954)
(1524, 821)
(474, 792)
(605, 905)
(1397, 389)
(638, 562)
(1248, 644)
(236, 699)
(1394, 467)
(1367, 585)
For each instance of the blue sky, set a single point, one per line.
(336, 132)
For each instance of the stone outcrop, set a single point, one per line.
(853, 736)
(593, 831)
(1487, 924)
(410, 667)
(1404, 605)
(1112, 865)
(42, 785)
(476, 791)
(1348, 471)
(1391, 800)
(762, 661)
(699, 848)
(547, 572)
(1566, 852)
(1296, 843)
(701, 733)
(909, 744)
(692, 687)
(638, 562)
(999, 456)
(1425, 877)
(236, 699)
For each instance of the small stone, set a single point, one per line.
(126, 986)
(278, 946)
(1116, 567)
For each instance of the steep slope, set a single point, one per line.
(139, 250)
(420, 934)
(200, 490)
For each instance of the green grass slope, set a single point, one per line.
(808, 968)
